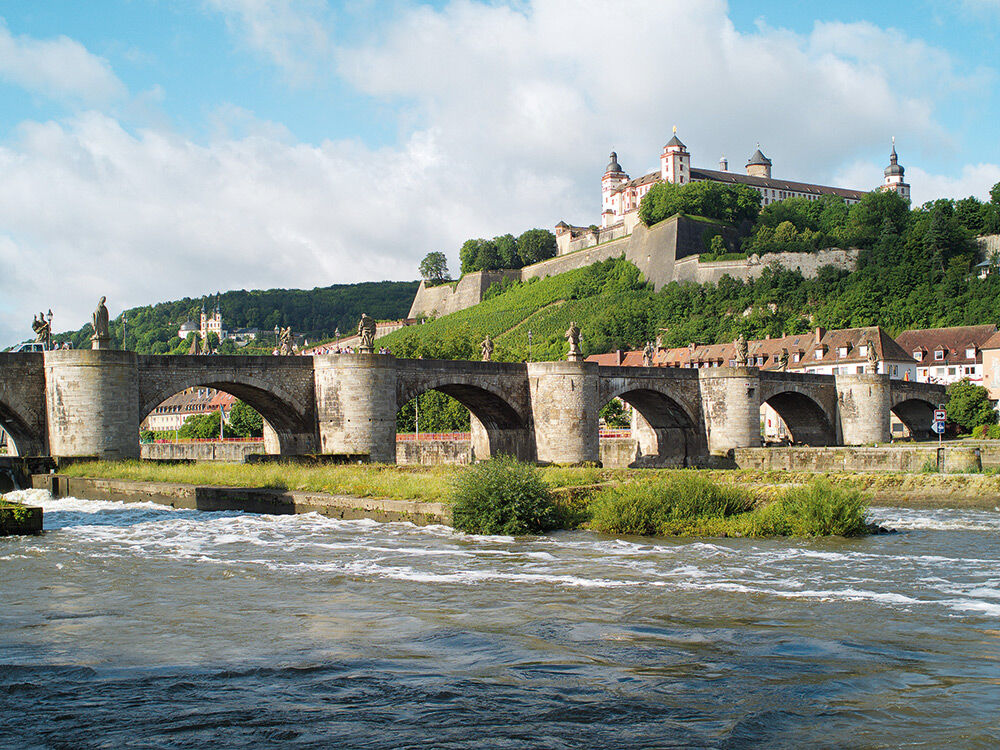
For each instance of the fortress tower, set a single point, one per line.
(614, 176)
(675, 162)
(759, 165)
(895, 179)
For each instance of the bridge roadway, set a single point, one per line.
(90, 403)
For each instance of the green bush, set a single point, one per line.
(817, 510)
(691, 505)
(986, 432)
(665, 505)
(502, 496)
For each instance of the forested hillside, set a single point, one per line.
(916, 269)
(315, 313)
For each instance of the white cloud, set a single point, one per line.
(88, 208)
(507, 116)
(559, 84)
(289, 33)
(59, 68)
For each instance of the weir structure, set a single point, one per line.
(76, 403)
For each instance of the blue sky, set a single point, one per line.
(152, 149)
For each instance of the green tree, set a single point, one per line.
(730, 204)
(434, 267)
(245, 421)
(201, 426)
(614, 414)
(507, 251)
(535, 245)
(969, 405)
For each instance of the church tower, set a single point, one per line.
(675, 162)
(613, 177)
(895, 179)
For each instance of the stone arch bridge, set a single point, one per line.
(90, 403)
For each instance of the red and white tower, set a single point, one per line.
(613, 177)
(675, 162)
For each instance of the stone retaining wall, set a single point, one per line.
(907, 459)
(433, 452)
(236, 452)
(247, 499)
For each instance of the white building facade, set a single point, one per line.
(620, 195)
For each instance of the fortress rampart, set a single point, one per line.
(666, 252)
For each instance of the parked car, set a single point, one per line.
(29, 346)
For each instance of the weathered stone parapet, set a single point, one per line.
(564, 403)
(863, 402)
(93, 403)
(356, 404)
(731, 404)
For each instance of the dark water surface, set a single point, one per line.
(141, 626)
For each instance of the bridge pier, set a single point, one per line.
(92, 403)
(564, 405)
(730, 398)
(863, 404)
(356, 405)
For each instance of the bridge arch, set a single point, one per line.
(292, 425)
(497, 425)
(666, 431)
(22, 440)
(807, 421)
(916, 414)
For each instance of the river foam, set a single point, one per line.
(126, 608)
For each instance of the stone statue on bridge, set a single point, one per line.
(287, 347)
(486, 347)
(783, 360)
(872, 357)
(573, 337)
(647, 355)
(195, 345)
(101, 339)
(741, 358)
(366, 332)
(43, 330)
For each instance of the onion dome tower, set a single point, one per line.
(614, 176)
(895, 178)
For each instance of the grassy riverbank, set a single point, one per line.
(432, 483)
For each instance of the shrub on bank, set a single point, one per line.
(665, 505)
(502, 496)
(819, 509)
(691, 505)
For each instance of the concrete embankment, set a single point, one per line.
(248, 499)
(20, 520)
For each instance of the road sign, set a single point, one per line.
(940, 415)
(938, 427)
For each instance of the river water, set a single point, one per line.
(135, 625)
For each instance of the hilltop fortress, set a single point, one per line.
(670, 250)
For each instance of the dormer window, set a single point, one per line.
(918, 355)
(970, 353)
(842, 351)
(797, 357)
(938, 354)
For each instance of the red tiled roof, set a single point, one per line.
(953, 340)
